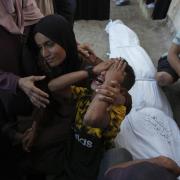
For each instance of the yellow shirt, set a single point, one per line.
(116, 114)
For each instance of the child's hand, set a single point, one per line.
(116, 72)
(103, 66)
(111, 93)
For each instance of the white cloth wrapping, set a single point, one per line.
(149, 133)
(125, 43)
(149, 129)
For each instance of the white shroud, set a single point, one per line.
(149, 129)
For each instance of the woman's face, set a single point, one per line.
(51, 52)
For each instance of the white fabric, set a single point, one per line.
(149, 129)
(149, 133)
(125, 43)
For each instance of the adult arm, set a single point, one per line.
(62, 83)
(162, 161)
(173, 57)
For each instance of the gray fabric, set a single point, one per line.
(112, 157)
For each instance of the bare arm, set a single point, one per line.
(162, 161)
(63, 82)
(173, 57)
(97, 114)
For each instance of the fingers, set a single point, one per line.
(108, 94)
(122, 65)
(39, 101)
(38, 97)
(108, 64)
(27, 132)
(105, 99)
(87, 47)
(37, 78)
(111, 93)
(39, 92)
(85, 50)
(105, 92)
(108, 90)
(26, 137)
(115, 84)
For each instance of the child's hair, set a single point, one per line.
(129, 79)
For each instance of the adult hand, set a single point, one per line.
(103, 66)
(29, 137)
(38, 97)
(116, 72)
(88, 54)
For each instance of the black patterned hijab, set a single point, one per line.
(56, 28)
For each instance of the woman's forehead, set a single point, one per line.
(41, 38)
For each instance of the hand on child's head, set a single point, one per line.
(85, 49)
(103, 66)
(116, 71)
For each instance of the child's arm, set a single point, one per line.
(97, 114)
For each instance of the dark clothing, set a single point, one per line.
(84, 157)
(112, 157)
(161, 9)
(16, 57)
(163, 65)
(92, 9)
(8, 155)
(88, 144)
(150, 1)
(54, 122)
(65, 8)
(141, 171)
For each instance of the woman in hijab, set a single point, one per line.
(53, 123)
(48, 139)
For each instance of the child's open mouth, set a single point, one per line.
(99, 80)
